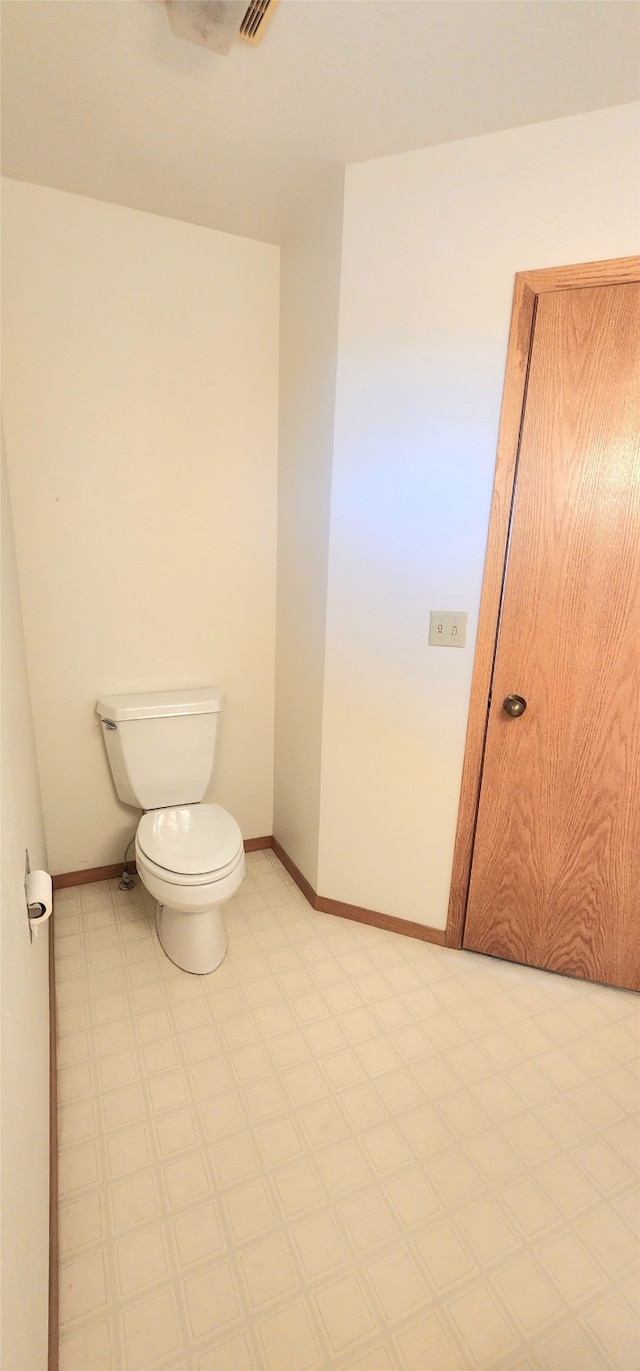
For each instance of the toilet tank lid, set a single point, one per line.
(159, 704)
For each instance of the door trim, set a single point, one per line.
(529, 285)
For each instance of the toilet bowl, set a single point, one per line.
(191, 859)
(190, 855)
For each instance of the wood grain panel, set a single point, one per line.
(520, 337)
(529, 285)
(556, 873)
(615, 272)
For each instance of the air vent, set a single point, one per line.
(256, 19)
(214, 24)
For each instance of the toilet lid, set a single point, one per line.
(191, 840)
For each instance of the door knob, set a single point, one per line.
(514, 705)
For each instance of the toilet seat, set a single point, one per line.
(206, 878)
(190, 845)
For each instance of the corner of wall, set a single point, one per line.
(310, 297)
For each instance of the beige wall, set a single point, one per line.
(432, 241)
(310, 287)
(140, 382)
(24, 1006)
(140, 376)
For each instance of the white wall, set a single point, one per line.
(140, 382)
(432, 241)
(310, 287)
(24, 1006)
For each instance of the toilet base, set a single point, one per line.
(196, 941)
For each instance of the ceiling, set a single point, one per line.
(100, 98)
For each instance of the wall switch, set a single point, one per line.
(447, 628)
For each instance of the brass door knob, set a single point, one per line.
(514, 705)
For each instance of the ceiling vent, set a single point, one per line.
(256, 19)
(214, 24)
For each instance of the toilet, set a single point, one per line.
(189, 855)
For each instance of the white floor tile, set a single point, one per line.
(343, 1151)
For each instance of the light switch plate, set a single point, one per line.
(447, 628)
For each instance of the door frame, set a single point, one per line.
(529, 285)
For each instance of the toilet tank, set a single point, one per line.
(161, 746)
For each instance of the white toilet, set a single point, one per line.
(190, 856)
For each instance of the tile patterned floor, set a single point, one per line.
(344, 1149)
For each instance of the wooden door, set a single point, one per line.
(555, 875)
